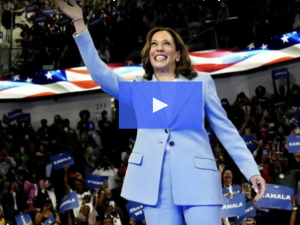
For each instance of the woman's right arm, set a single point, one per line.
(99, 71)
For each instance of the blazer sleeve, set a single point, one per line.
(226, 131)
(99, 71)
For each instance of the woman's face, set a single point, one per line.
(227, 176)
(79, 187)
(86, 210)
(162, 52)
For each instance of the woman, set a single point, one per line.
(47, 213)
(176, 181)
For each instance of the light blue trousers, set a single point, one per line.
(167, 213)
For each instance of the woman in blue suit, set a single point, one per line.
(172, 172)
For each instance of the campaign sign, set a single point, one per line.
(249, 213)
(236, 189)
(61, 160)
(50, 220)
(64, 21)
(249, 140)
(293, 143)
(15, 115)
(160, 105)
(263, 212)
(135, 211)
(233, 207)
(23, 219)
(277, 197)
(30, 8)
(94, 22)
(49, 11)
(26, 118)
(69, 202)
(94, 182)
(279, 74)
(41, 19)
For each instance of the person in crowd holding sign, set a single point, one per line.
(165, 58)
(46, 212)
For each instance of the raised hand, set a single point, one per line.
(73, 11)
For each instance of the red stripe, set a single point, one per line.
(211, 67)
(85, 84)
(41, 94)
(213, 54)
(86, 72)
(283, 59)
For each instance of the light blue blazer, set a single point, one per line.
(195, 176)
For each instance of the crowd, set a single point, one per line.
(119, 27)
(29, 184)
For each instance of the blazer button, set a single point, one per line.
(172, 143)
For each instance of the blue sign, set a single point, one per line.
(49, 11)
(41, 19)
(236, 189)
(293, 143)
(23, 219)
(61, 160)
(15, 115)
(1, 35)
(233, 207)
(278, 102)
(30, 8)
(26, 118)
(64, 21)
(69, 202)
(249, 213)
(160, 105)
(263, 212)
(94, 22)
(277, 197)
(135, 211)
(249, 140)
(50, 220)
(279, 74)
(94, 182)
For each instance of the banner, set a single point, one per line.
(233, 207)
(249, 212)
(64, 21)
(61, 160)
(41, 18)
(23, 219)
(279, 74)
(49, 11)
(50, 220)
(249, 140)
(69, 202)
(94, 182)
(15, 115)
(277, 197)
(135, 211)
(293, 143)
(236, 189)
(94, 22)
(26, 118)
(30, 8)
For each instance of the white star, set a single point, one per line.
(49, 76)
(295, 32)
(7, 83)
(29, 80)
(285, 39)
(16, 77)
(243, 54)
(263, 47)
(251, 46)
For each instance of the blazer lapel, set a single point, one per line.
(155, 93)
(183, 93)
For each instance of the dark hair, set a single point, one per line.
(183, 67)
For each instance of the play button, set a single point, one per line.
(158, 105)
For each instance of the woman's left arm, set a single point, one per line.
(226, 131)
